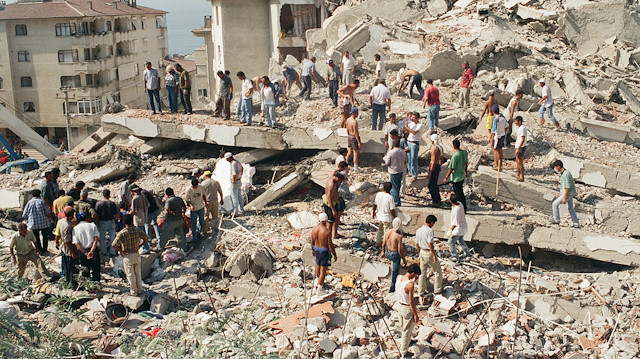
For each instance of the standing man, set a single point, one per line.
(269, 101)
(152, 86)
(176, 210)
(75, 191)
(308, 70)
(567, 192)
(546, 103)
(213, 190)
(24, 244)
(393, 250)
(498, 134)
(171, 82)
(246, 98)
(331, 203)
(511, 110)
(38, 217)
(347, 67)
(465, 86)
(353, 138)
(428, 257)
(128, 243)
(224, 96)
(290, 77)
(381, 70)
(458, 172)
(396, 161)
(348, 100)
(139, 210)
(152, 214)
(388, 127)
(185, 89)
(85, 238)
(434, 170)
(408, 311)
(488, 109)
(107, 217)
(322, 250)
(67, 249)
(458, 228)
(196, 198)
(83, 205)
(60, 202)
(432, 98)
(379, 98)
(125, 192)
(333, 76)
(237, 199)
(412, 78)
(384, 211)
(521, 147)
(413, 130)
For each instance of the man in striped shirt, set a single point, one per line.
(37, 214)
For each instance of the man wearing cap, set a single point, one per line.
(393, 250)
(434, 170)
(308, 70)
(546, 103)
(213, 190)
(488, 109)
(290, 77)
(196, 198)
(379, 98)
(23, 244)
(152, 86)
(465, 86)
(498, 134)
(323, 250)
(237, 200)
(348, 100)
(139, 210)
(353, 138)
(128, 243)
(333, 76)
(171, 82)
(432, 98)
(85, 238)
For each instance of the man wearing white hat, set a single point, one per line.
(546, 103)
(236, 182)
(322, 249)
(171, 81)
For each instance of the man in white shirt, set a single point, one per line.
(498, 134)
(379, 98)
(347, 67)
(152, 86)
(384, 210)
(381, 71)
(458, 228)
(269, 102)
(413, 132)
(85, 238)
(308, 70)
(546, 103)
(246, 98)
(237, 200)
(428, 257)
(521, 147)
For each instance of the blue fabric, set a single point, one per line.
(413, 159)
(107, 227)
(152, 220)
(246, 110)
(433, 116)
(323, 256)
(396, 183)
(237, 201)
(270, 115)
(460, 241)
(306, 87)
(173, 98)
(197, 217)
(394, 257)
(36, 213)
(551, 116)
(572, 212)
(378, 113)
(154, 93)
(146, 246)
(333, 91)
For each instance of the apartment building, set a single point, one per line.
(96, 49)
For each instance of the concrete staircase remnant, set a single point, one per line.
(28, 135)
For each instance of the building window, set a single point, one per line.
(87, 54)
(217, 16)
(21, 30)
(70, 81)
(85, 28)
(110, 50)
(89, 79)
(65, 29)
(90, 107)
(29, 107)
(68, 56)
(142, 24)
(23, 56)
(108, 26)
(26, 81)
(73, 108)
(1, 83)
(202, 92)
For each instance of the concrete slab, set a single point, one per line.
(107, 173)
(155, 146)
(28, 135)
(574, 89)
(9, 199)
(609, 132)
(94, 142)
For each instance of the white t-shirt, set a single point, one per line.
(500, 125)
(348, 63)
(388, 127)
(546, 91)
(384, 203)
(268, 97)
(507, 113)
(380, 66)
(246, 86)
(414, 127)
(152, 78)
(380, 94)
(459, 220)
(85, 233)
(339, 159)
(522, 132)
(424, 236)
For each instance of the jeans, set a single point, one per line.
(394, 257)
(145, 247)
(333, 91)
(270, 115)
(107, 227)
(396, 183)
(42, 239)
(173, 98)
(306, 87)
(551, 116)
(459, 240)
(414, 147)
(152, 220)
(417, 82)
(154, 93)
(237, 201)
(246, 108)
(572, 212)
(433, 184)
(459, 191)
(172, 228)
(185, 98)
(433, 117)
(378, 112)
(195, 217)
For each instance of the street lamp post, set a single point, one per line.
(65, 90)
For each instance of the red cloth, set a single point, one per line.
(152, 333)
(467, 76)
(432, 95)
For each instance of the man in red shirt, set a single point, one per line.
(432, 98)
(465, 85)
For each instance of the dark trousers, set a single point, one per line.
(154, 93)
(396, 183)
(42, 239)
(185, 98)
(70, 270)
(457, 189)
(378, 114)
(223, 104)
(306, 87)
(433, 184)
(333, 91)
(417, 82)
(90, 265)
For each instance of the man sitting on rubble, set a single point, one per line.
(323, 250)
(393, 250)
(408, 311)
(331, 203)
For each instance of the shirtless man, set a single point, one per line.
(392, 249)
(487, 109)
(347, 100)
(332, 204)
(413, 77)
(434, 170)
(323, 250)
(511, 110)
(353, 138)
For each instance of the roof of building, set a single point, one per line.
(202, 31)
(188, 65)
(72, 8)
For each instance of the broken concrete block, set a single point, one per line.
(327, 345)
(132, 302)
(303, 219)
(94, 141)
(486, 340)
(160, 304)
(545, 310)
(9, 198)
(528, 13)
(374, 271)
(573, 87)
(609, 132)
(446, 65)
